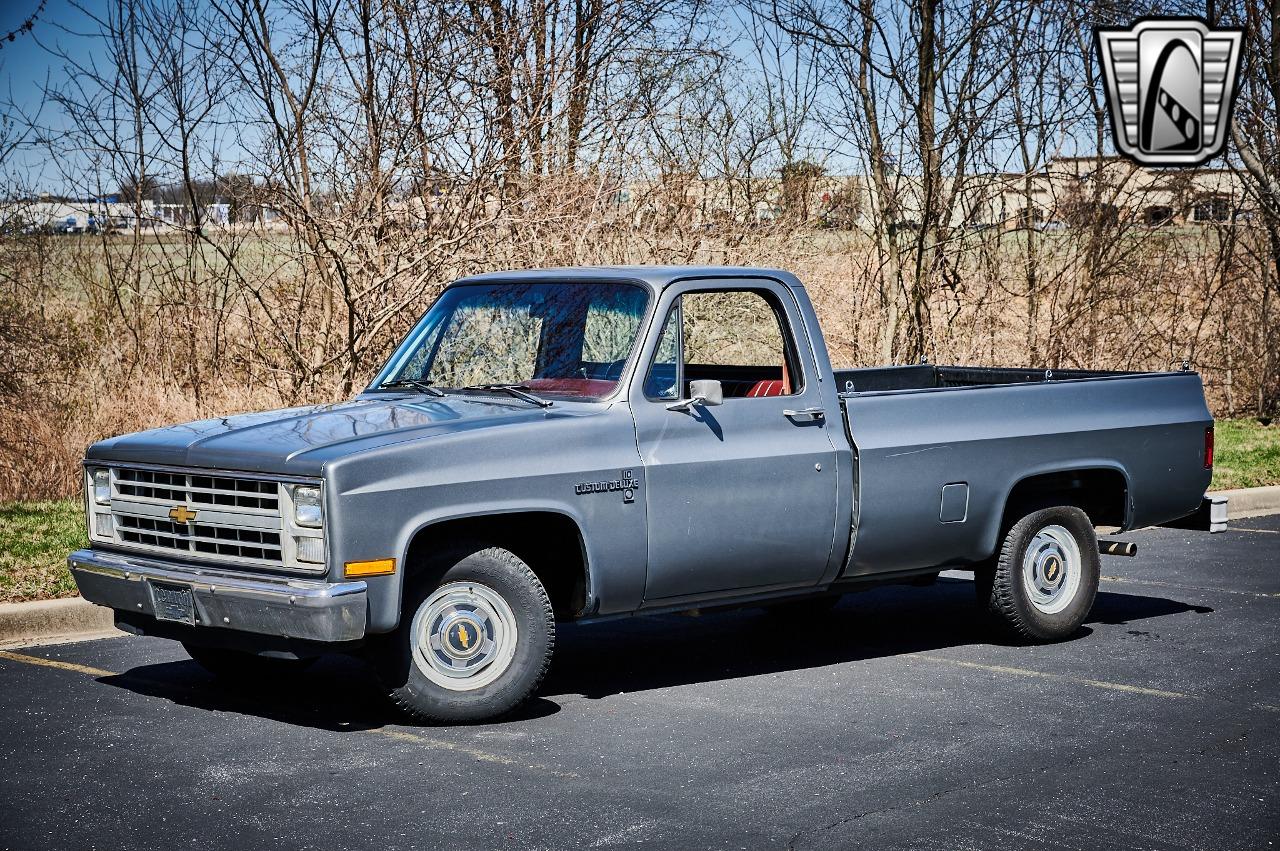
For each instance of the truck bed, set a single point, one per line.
(935, 470)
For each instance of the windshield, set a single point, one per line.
(569, 339)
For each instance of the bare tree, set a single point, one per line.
(1255, 132)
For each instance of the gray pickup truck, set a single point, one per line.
(579, 444)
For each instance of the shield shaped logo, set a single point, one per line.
(1170, 84)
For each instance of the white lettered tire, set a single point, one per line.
(473, 645)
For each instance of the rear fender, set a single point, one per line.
(999, 521)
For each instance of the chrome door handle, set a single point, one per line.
(805, 415)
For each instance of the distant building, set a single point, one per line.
(98, 216)
(1067, 192)
(89, 216)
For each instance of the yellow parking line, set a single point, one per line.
(55, 663)
(1024, 672)
(396, 735)
(1181, 587)
(474, 753)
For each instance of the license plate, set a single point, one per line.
(173, 603)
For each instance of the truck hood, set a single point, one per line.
(299, 440)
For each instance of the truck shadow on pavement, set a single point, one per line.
(338, 694)
(638, 654)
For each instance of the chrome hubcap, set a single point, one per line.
(464, 636)
(1051, 569)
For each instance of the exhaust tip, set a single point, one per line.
(1117, 548)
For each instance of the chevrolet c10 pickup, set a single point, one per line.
(580, 444)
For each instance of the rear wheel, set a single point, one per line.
(1043, 583)
(472, 645)
(239, 666)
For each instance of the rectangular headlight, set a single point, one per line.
(101, 486)
(306, 506)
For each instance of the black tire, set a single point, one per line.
(807, 607)
(1020, 595)
(241, 667)
(413, 670)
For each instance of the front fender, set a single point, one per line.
(384, 497)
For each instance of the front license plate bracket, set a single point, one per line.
(173, 603)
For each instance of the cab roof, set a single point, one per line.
(657, 277)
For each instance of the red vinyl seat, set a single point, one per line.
(766, 388)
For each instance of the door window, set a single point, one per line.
(736, 337)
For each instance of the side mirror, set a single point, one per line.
(706, 393)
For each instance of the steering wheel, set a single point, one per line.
(611, 371)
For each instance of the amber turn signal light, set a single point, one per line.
(378, 567)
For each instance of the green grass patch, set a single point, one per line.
(1246, 454)
(35, 540)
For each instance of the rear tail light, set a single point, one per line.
(1208, 448)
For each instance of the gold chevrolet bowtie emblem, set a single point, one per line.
(464, 637)
(181, 514)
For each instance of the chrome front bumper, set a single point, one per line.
(308, 609)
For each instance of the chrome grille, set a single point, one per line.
(199, 489)
(237, 520)
(200, 538)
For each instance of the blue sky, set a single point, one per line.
(25, 64)
(28, 63)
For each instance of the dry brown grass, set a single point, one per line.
(100, 338)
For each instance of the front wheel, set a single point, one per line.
(1042, 585)
(473, 645)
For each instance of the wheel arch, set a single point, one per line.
(1102, 489)
(550, 541)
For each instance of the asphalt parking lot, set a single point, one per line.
(897, 721)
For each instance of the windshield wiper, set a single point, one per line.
(517, 390)
(412, 383)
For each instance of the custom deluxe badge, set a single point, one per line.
(626, 483)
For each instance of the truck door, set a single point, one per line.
(740, 495)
